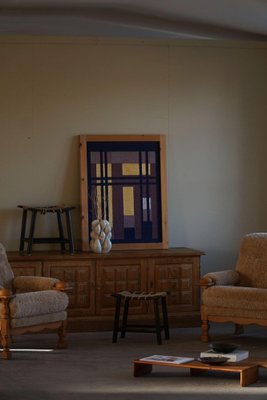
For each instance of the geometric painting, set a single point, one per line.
(122, 180)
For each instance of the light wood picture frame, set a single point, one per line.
(123, 179)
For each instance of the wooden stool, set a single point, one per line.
(58, 210)
(156, 298)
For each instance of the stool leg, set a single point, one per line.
(31, 234)
(60, 230)
(23, 230)
(116, 319)
(165, 318)
(157, 321)
(69, 230)
(125, 317)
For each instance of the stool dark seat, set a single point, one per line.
(158, 298)
(58, 210)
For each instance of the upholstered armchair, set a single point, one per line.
(29, 304)
(240, 295)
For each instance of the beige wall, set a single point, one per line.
(209, 98)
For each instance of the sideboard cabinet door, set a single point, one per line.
(115, 275)
(80, 277)
(26, 268)
(179, 276)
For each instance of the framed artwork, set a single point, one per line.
(123, 180)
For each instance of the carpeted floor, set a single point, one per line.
(94, 368)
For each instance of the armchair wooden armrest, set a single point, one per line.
(62, 286)
(5, 294)
(206, 282)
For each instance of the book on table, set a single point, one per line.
(234, 356)
(167, 359)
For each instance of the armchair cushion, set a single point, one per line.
(33, 283)
(36, 303)
(242, 298)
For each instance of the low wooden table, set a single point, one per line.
(248, 369)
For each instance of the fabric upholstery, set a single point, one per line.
(6, 273)
(38, 319)
(226, 277)
(36, 303)
(252, 261)
(231, 313)
(242, 298)
(24, 284)
(241, 293)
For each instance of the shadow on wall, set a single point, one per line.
(215, 262)
(72, 196)
(72, 174)
(10, 228)
(68, 192)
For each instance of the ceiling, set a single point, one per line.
(180, 19)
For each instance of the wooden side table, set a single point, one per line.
(247, 369)
(59, 211)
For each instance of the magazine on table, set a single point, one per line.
(234, 356)
(167, 359)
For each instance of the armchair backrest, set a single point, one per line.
(252, 261)
(6, 273)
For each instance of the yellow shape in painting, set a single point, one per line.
(128, 201)
(133, 169)
(110, 203)
(98, 170)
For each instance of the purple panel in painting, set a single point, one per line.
(151, 157)
(137, 213)
(129, 221)
(95, 157)
(117, 201)
(120, 157)
(154, 211)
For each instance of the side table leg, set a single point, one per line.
(157, 321)
(165, 318)
(142, 369)
(69, 230)
(23, 230)
(116, 319)
(60, 230)
(125, 317)
(31, 234)
(249, 376)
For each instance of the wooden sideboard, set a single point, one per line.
(94, 277)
